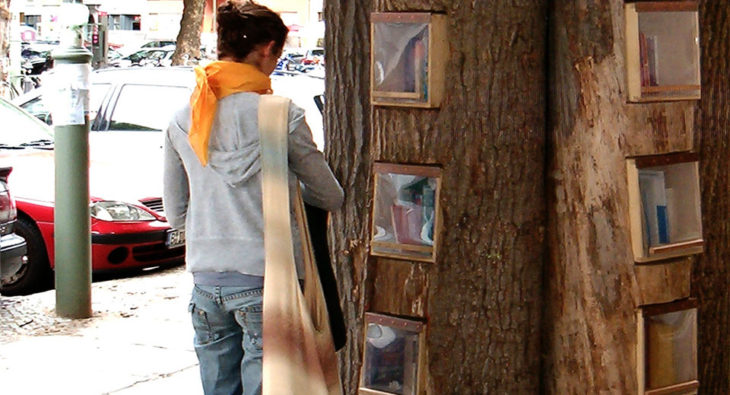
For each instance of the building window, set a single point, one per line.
(33, 20)
(124, 22)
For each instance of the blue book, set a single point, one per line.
(662, 224)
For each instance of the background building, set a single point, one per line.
(304, 18)
(132, 22)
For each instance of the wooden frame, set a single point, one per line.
(676, 228)
(644, 364)
(646, 66)
(428, 58)
(398, 223)
(411, 350)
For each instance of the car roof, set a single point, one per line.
(176, 75)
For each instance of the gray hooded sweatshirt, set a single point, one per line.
(219, 205)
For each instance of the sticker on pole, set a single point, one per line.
(69, 93)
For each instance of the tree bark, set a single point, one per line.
(348, 141)
(711, 277)
(481, 297)
(187, 50)
(593, 286)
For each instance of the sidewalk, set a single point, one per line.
(139, 341)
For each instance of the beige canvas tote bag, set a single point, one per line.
(299, 354)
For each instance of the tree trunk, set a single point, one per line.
(347, 127)
(593, 286)
(481, 298)
(4, 37)
(711, 277)
(187, 50)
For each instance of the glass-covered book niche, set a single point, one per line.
(406, 219)
(393, 356)
(662, 50)
(408, 51)
(667, 348)
(664, 206)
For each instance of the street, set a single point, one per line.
(139, 340)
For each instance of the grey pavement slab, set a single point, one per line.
(139, 341)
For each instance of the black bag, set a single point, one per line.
(317, 221)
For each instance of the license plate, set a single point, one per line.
(175, 238)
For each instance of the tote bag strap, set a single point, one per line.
(299, 356)
(273, 126)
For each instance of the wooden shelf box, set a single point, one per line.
(393, 356)
(664, 206)
(662, 51)
(667, 348)
(408, 56)
(406, 216)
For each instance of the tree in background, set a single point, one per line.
(4, 41)
(188, 39)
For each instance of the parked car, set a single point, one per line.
(113, 54)
(289, 60)
(150, 95)
(37, 58)
(128, 225)
(146, 57)
(12, 246)
(302, 61)
(313, 56)
(158, 44)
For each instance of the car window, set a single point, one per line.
(36, 107)
(97, 94)
(147, 107)
(39, 109)
(137, 56)
(19, 127)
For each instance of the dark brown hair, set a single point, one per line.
(244, 25)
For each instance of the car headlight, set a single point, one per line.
(119, 211)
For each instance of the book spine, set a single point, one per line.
(644, 60)
(651, 59)
(662, 224)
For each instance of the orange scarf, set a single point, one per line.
(214, 82)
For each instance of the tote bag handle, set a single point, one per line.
(299, 355)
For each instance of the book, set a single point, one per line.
(643, 60)
(651, 60)
(654, 206)
(407, 223)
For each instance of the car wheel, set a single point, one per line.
(36, 273)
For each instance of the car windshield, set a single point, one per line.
(139, 55)
(21, 129)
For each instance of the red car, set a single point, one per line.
(128, 226)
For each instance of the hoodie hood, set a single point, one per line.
(232, 154)
(238, 166)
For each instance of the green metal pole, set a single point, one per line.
(72, 233)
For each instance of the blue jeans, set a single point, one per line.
(228, 338)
